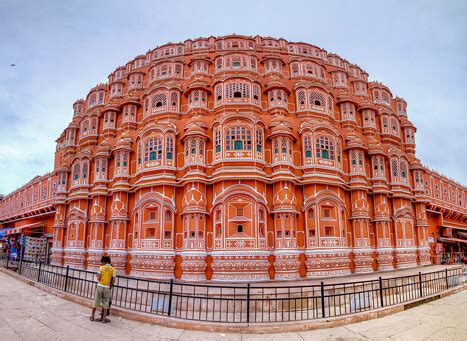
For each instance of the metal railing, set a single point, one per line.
(250, 303)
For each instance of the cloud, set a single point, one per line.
(62, 49)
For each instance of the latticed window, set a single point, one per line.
(116, 90)
(301, 98)
(403, 168)
(153, 149)
(169, 147)
(109, 119)
(378, 166)
(308, 143)
(218, 93)
(238, 138)
(92, 100)
(348, 111)
(136, 81)
(368, 118)
(317, 101)
(237, 90)
(76, 171)
(394, 167)
(259, 140)
(256, 94)
(339, 152)
(324, 148)
(273, 65)
(360, 88)
(330, 105)
(218, 141)
(197, 99)
(277, 98)
(295, 69)
(376, 96)
(129, 113)
(139, 153)
(85, 168)
(100, 98)
(339, 79)
(159, 102)
(385, 124)
(385, 97)
(394, 126)
(174, 99)
(85, 128)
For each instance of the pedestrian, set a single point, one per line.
(105, 279)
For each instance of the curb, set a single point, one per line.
(255, 328)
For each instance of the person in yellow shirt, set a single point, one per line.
(105, 280)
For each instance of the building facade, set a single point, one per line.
(244, 158)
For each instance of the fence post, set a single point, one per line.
(322, 300)
(170, 296)
(248, 303)
(447, 282)
(420, 283)
(381, 291)
(39, 272)
(66, 277)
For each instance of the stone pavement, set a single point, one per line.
(27, 313)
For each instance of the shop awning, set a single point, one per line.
(4, 231)
(453, 240)
(19, 229)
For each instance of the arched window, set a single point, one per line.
(153, 149)
(238, 138)
(76, 171)
(324, 148)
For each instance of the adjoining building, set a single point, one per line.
(241, 158)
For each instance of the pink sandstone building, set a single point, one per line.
(239, 158)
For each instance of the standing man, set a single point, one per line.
(105, 279)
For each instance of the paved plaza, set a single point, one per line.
(27, 313)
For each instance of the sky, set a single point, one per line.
(61, 49)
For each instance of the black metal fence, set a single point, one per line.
(250, 303)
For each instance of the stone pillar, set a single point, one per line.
(421, 226)
(286, 254)
(59, 235)
(118, 231)
(384, 245)
(362, 248)
(193, 245)
(97, 224)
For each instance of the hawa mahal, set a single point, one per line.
(239, 159)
